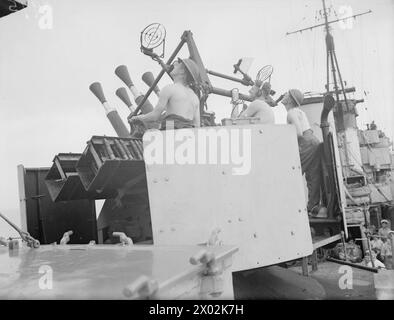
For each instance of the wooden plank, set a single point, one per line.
(314, 260)
(326, 241)
(22, 197)
(305, 271)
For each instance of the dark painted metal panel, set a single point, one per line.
(47, 221)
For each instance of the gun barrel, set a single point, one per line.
(122, 95)
(123, 73)
(227, 93)
(148, 78)
(110, 111)
(224, 76)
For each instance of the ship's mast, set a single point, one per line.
(332, 62)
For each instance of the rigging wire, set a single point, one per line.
(303, 64)
(383, 105)
(298, 61)
(295, 57)
(363, 84)
(362, 56)
(314, 51)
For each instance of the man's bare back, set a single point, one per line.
(260, 109)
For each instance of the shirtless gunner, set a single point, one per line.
(259, 108)
(178, 100)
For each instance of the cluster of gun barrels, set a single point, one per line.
(112, 114)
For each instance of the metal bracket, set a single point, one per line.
(142, 288)
(124, 240)
(66, 237)
(38, 196)
(31, 242)
(212, 282)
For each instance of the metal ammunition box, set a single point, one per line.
(108, 163)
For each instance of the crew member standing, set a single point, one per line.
(309, 148)
(385, 230)
(179, 100)
(259, 107)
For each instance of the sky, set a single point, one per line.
(53, 50)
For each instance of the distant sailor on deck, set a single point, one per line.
(309, 148)
(179, 100)
(385, 230)
(259, 107)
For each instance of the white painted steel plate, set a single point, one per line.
(262, 212)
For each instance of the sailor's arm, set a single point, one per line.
(293, 119)
(250, 111)
(161, 106)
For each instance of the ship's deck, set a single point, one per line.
(102, 271)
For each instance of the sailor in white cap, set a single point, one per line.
(309, 147)
(180, 100)
(387, 250)
(385, 229)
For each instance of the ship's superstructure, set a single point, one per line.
(364, 159)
